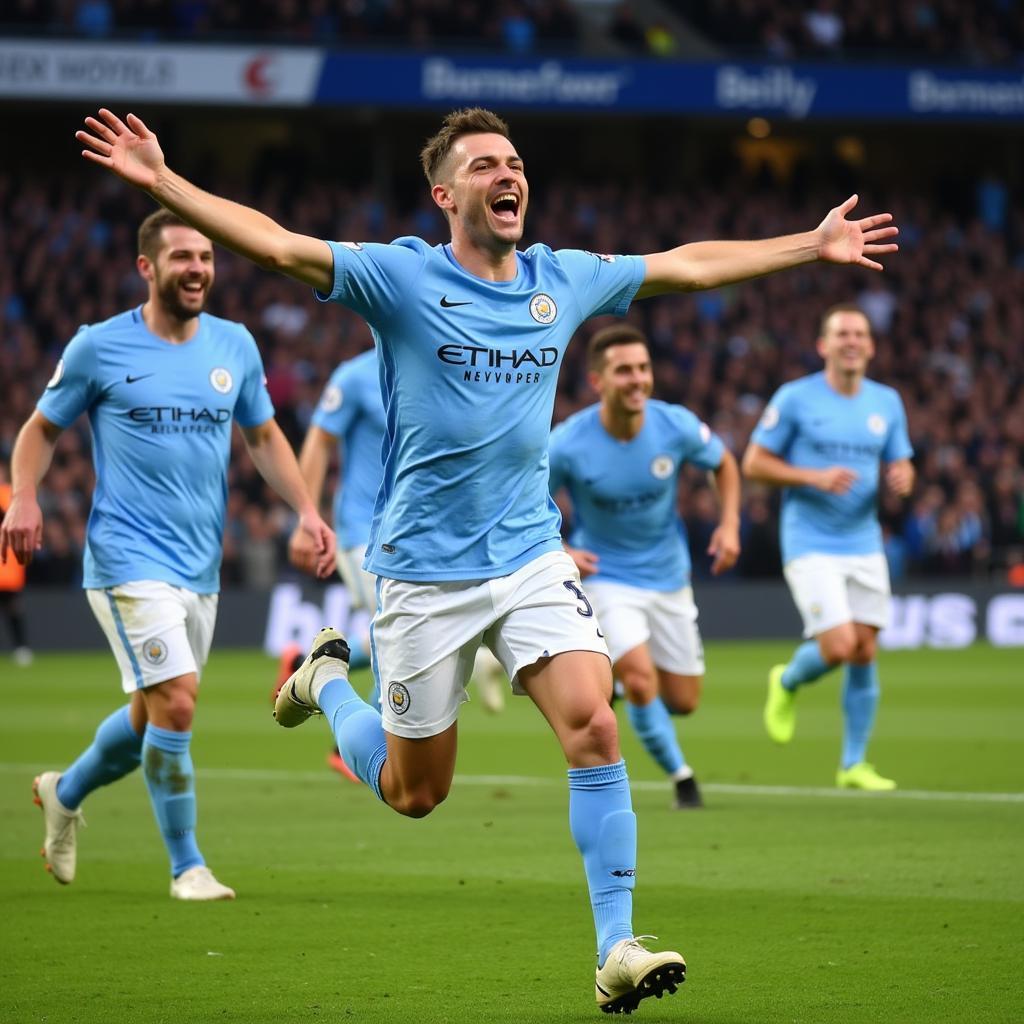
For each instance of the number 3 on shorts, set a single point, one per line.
(586, 611)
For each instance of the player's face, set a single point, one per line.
(626, 380)
(182, 274)
(847, 346)
(488, 192)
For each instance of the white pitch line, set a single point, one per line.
(730, 789)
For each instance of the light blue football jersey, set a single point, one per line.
(468, 369)
(352, 410)
(625, 493)
(161, 437)
(809, 424)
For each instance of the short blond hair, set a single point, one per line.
(468, 121)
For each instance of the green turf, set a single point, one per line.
(789, 907)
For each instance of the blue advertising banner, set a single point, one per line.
(796, 91)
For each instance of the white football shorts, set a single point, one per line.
(665, 621)
(156, 630)
(360, 584)
(425, 636)
(829, 590)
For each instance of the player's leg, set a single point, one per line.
(818, 587)
(678, 652)
(180, 628)
(547, 638)
(869, 599)
(490, 679)
(424, 638)
(116, 750)
(623, 612)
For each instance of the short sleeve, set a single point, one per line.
(897, 443)
(254, 405)
(602, 284)
(337, 408)
(558, 465)
(777, 426)
(701, 446)
(373, 278)
(74, 387)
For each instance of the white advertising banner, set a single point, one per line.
(127, 73)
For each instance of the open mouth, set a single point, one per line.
(505, 206)
(196, 288)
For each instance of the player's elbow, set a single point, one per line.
(750, 465)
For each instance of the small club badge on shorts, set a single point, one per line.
(398, 698)
(155, 651)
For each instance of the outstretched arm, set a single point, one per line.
(273, 457)
(132, 152)
(699, 265)
(21, 532)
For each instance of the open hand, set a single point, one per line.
(855, 241)
(129, 149)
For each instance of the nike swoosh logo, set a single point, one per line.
(600, 634)
(129, 379)
(445, 304)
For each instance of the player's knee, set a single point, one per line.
(839, 649)
(683, 704)
(178, 714)
(641, 687)
(417, 802)
(865, 652)
(599, 734)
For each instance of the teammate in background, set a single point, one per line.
(822, 438)
(620, 461)
(350, 419)
(161, 384)
(12, 582)
(465, 537)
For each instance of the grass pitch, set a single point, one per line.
(790, 901)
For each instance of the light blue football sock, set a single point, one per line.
(805, 666)
(603, 825)
(357, 730)
(656, 731)
(115, 751)
(860, 701)
(167, 767)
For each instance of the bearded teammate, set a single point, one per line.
(465, 539)
(161, 384)
(620, 461)
(822, 438)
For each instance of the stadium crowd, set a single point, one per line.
(983, 32)
(987, 32)
(946, 314)
(513, 25)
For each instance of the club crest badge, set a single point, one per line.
(221, 380)
(543, 308)
(331, 399)
(662, 466)
(398, 698)
(155, 651)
